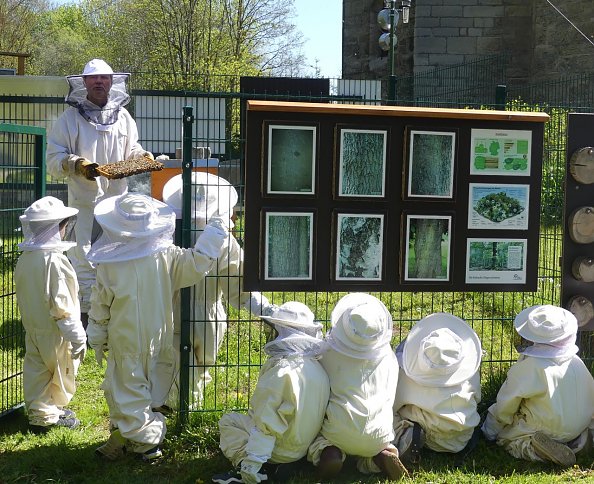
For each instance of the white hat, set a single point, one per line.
(293, 314)
(97, 67)
(545, 324)
(441, 350)
(210, 195)
(361, 326)
(134, 215)
(47, 209)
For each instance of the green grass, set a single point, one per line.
(191, 455)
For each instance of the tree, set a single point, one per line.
(18, 19)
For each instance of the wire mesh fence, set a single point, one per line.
(227, 381)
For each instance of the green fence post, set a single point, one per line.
(186, 240)
(501, 97)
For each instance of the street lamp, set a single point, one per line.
(387, 18)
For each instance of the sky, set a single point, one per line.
(320, 22)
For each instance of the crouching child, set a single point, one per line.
(287, 406)
(546, 404)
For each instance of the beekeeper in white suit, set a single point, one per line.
(438, 386)
(212, 197)
(138, 270)
(546, 404)
(46, 291)
(96, 129)
(288, 403)
(363, 373)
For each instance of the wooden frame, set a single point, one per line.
(328, 197)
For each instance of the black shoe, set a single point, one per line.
(284, 472)
(68, 422)
(227, 478)
(66, 413)
(152, 454)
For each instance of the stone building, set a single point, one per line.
(539, 42)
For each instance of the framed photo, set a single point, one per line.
(500, 152)
(431, 156)
(496, 261)
(428, 248)
(498, 206)
(291, 160)
(288, 246)
(362, 163)
(359, 247)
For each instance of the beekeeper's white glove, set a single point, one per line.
(73, 331)
(78, 350)
(214, 240)
(250, 472)
(259, 305)
(97, 334)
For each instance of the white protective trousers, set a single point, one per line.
(46, 291)
(448, 415)
(70, 138)
(551, 395)
(286, 413)
(133, 300)
(359, 416)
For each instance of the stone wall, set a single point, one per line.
(541, 43)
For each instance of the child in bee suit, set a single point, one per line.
(212, 197)
(438, 387)
(288, 403)
(363, 373)
(138, 270)
(47, 296)
(546, 404)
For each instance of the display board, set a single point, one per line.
(377, 198)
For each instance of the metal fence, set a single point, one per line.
(22, 181)
(218, 124)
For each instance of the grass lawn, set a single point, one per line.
(192, 455)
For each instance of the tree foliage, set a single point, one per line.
(173, 43)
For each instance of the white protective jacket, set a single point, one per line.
(552, 395)
(359, 415)
(131, 312)
(47, 295)
(72, 137)
(286, 412)
(448, 415)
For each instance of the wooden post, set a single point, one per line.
(21, 60)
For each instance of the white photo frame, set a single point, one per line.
(362, 163)
(431, 160)
(359, 247)
(291, 160)
(288, 253)
(434, 264)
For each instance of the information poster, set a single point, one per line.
(495, 152)
(498, 206)
(496, 261)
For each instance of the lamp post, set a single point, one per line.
(387, 18)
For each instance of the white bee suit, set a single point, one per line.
(448, 415)
(552, 395)
(209, 296)
(47, 294)
(359, 414)
(133, 301)
(72, 137)
(286, 413)
(138, 271)
(439, 385)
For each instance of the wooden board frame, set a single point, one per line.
(329, 119)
